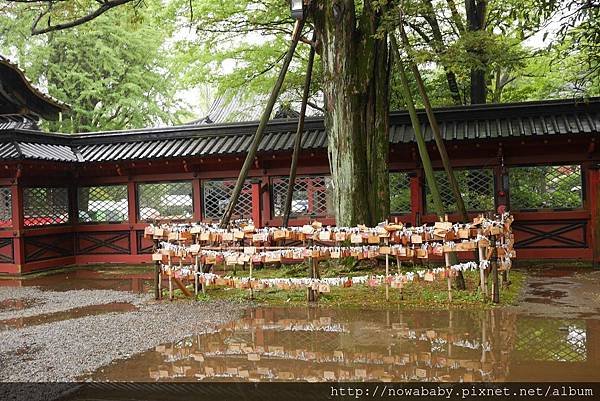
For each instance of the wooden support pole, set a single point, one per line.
(416, 125)
(298, 139)
(261, 126)
(439, 141)
(435, 128)
(494, 264)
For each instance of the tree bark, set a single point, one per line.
(476, 10)
(438, 46)
(356, 86)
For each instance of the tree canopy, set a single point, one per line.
(122, 62)
(116, 72)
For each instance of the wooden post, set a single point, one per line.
(170, 280)
(482, 282)
(160, 293)
(448, 275)
(157, 280)
(387, 273)
(494, 264)
(196, 277)
(298, 139)
(261, 127)
(250, 281)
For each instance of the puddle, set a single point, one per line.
(547, 283)
(119, 279)
(65, 315)
(17, 304)
(303, 344)
(555, 272)
(552, 294)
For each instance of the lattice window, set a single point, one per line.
(476, 187)
(546, 187)
(106, 203)
(312, 196)
(215, 198)
(165, 201)
(44, 206)
(399, 193)
(5, 207)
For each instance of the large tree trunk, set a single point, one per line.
(356, 110)
(476, 10)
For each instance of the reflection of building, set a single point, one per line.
(556, 350)
(298, 344)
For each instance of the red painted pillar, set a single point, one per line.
(256, 203)
(132, 212)
(18, 226)
(197, 199)
(594, 206)
(416, 197)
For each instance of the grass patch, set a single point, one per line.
(415, 295)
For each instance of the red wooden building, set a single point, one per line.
(86, 198)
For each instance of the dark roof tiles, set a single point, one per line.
(478, 122)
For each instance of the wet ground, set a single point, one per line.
(562, 293)
(553, 335)
(133, 279)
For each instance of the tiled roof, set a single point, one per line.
(481, 122)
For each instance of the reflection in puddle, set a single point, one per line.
(343, 345)
(117, 278)
(69, 314)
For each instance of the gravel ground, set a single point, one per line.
(64, 350)
(58, 301)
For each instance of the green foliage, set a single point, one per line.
(114, 72)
